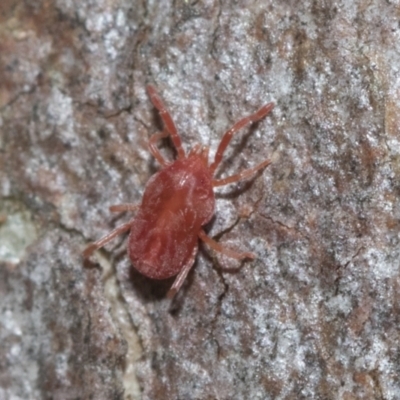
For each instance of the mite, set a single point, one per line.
(177, 202)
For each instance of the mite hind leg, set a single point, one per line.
(124, 207)
(221, 249)
(180, 278)
(104, 240)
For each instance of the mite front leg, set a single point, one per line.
(241, 175)
(154, 149)
(167, 120)
(261, 113)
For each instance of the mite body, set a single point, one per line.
(178, 201)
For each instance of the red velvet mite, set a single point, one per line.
(177, 202)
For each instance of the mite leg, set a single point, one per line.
(180, 278)
(104, 240)
(241, 175)
(167, 120)
(221, 249)
(124, 207)
(261, 113)
(154, 149)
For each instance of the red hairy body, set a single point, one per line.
(178, 201)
